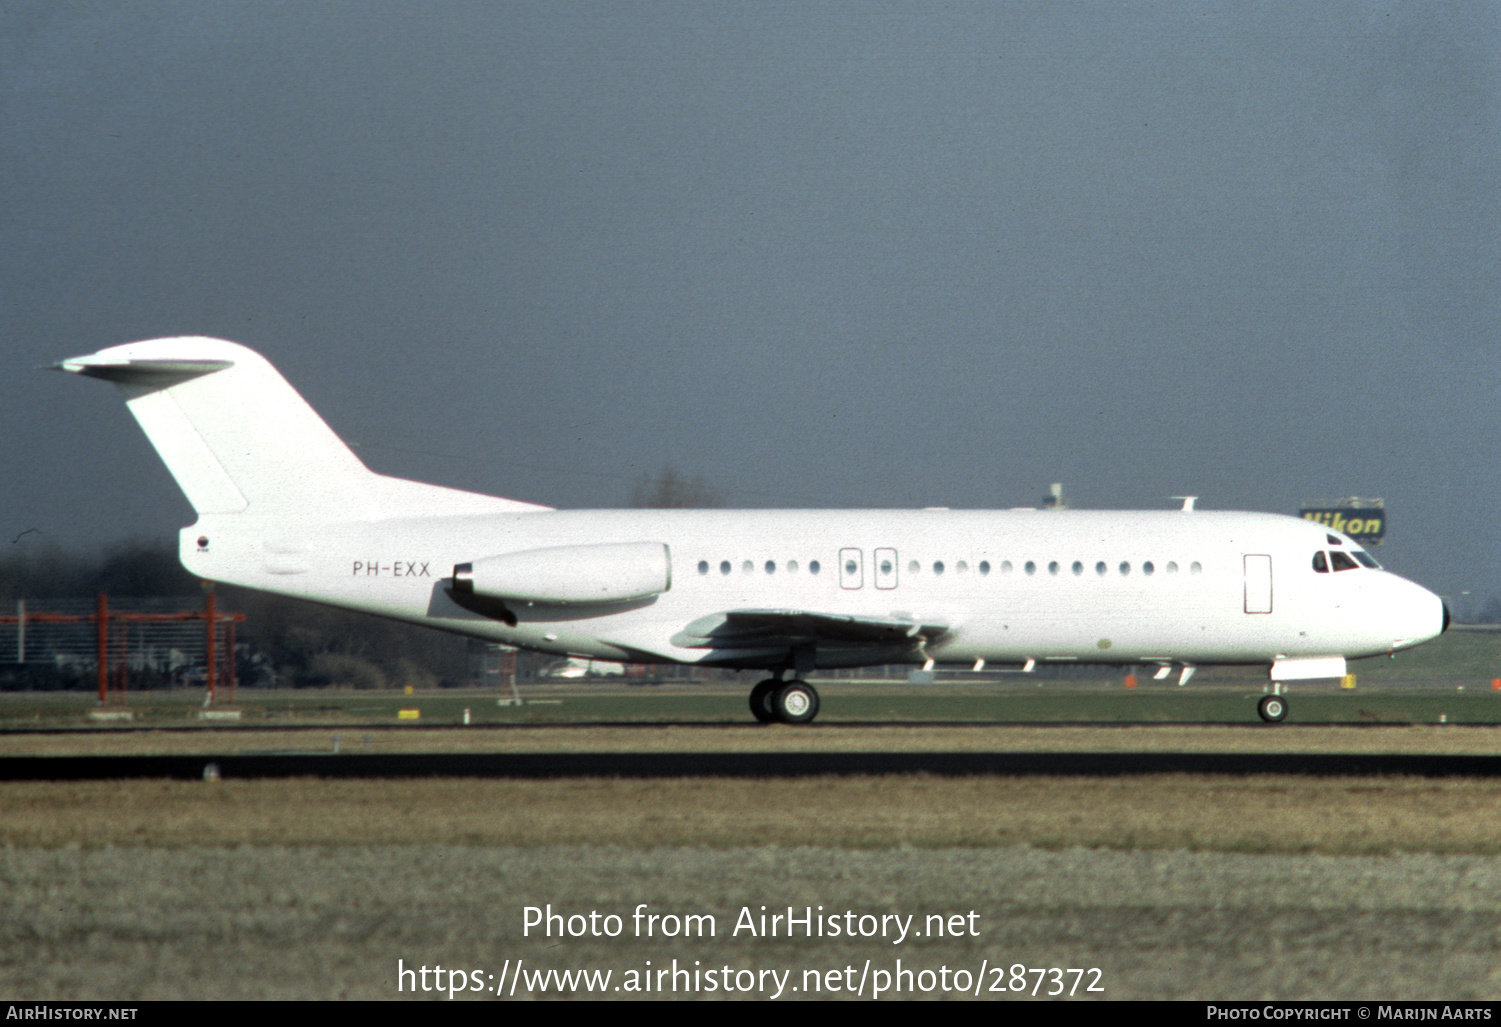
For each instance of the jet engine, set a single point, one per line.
(610, 572)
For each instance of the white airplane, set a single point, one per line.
(284, 505)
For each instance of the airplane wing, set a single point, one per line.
(777, 629)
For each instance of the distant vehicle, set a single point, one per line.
(285, 506)
(574, 668)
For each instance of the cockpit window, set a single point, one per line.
(1341, 561)
(1333, 540)
(1367, 559)
(1319, 563)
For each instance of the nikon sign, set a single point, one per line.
(1364, 526)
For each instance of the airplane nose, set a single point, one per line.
(1415, 615)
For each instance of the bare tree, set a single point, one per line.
(669, 490)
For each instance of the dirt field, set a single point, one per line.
(1226, 814)
(1448, 739)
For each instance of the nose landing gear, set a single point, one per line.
(791, 702)
(1273, 709)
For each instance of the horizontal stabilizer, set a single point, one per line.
(151, 373)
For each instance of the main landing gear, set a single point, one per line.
(791, 702)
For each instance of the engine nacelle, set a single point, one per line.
(610, 572)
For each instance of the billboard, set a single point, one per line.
(1366, 526)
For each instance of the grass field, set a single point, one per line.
(332, 922)
(1170, 887)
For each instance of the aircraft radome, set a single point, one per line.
(284, 505)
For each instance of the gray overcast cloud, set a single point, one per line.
(821, 255)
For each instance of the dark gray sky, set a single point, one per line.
(821, 255)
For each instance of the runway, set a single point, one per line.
(667, 751)
(533, 766)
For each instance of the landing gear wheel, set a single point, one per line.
(796, 702)
(1273, 709)
(761, 700)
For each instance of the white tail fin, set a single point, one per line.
(238, 438)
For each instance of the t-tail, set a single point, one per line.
(242, 442)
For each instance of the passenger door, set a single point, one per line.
(1258, 583)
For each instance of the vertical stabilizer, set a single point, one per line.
(239, 439)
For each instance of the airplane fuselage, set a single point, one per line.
(1010, 586)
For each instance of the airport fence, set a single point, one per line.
(120, 644)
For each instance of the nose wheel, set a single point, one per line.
(1273, 709)
(791, 702)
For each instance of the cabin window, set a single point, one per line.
(1053, 567)
(791, 566)
(771, 566)
(1319, 563)
(984, 567)
(1005, 566)
(724, 566)
(1147, 567)
(1172, 567)
(1100, 568)
(703, 566)
(1341, 561)
(1078, 568)
(960, 567)
(914, 566)
(1195, 568)
(748, 567)
(813, 567)
(1125, 567)
(937, 566)
(1031, 567)
(887, 567)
